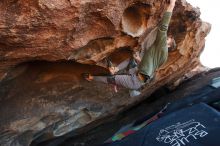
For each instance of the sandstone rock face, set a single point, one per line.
(75, 36)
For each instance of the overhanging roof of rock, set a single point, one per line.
(55, 30)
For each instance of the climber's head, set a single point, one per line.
(171, 44)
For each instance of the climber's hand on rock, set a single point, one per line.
(172, 2)
(137, 57)
(113, 70)
(136, 48)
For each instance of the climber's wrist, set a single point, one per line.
(170, 8)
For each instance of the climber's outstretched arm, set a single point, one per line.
(171, 6)
(157, 54)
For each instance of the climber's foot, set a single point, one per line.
(87, 76)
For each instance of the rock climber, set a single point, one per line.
(142, 69)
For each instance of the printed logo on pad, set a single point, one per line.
(180, 134)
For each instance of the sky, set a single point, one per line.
(209, 13)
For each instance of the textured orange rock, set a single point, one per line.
(55, 30)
